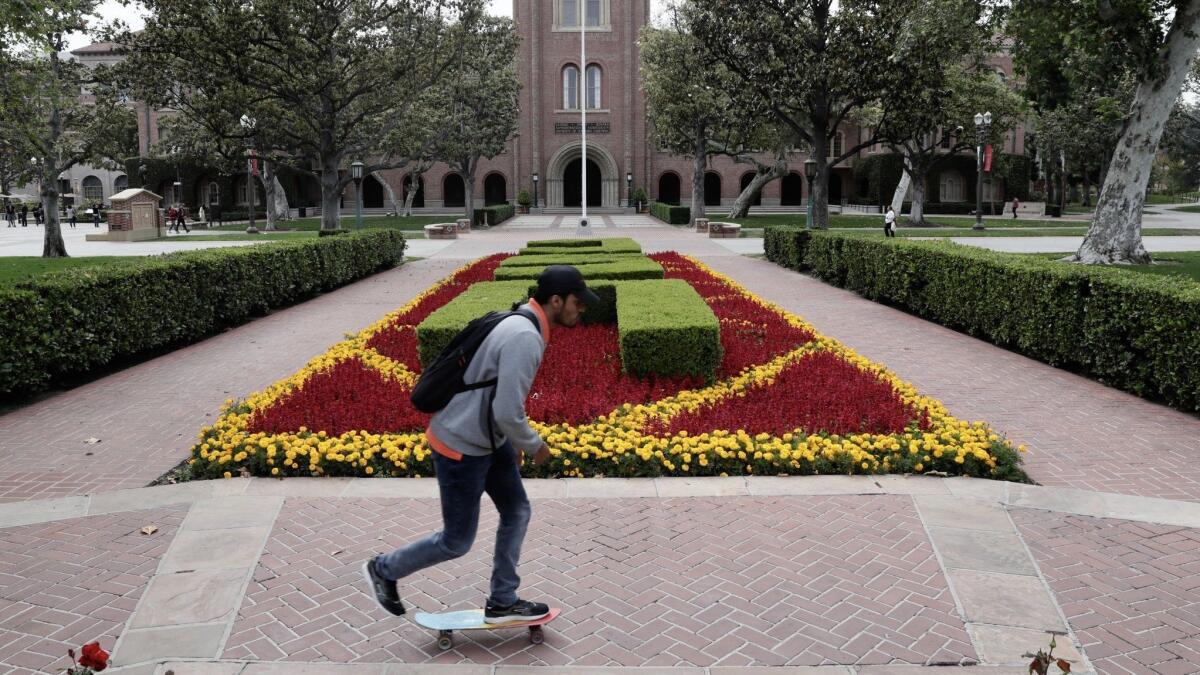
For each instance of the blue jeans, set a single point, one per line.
(462, 484)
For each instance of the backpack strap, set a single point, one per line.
(492, 382)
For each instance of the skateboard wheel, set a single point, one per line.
(535, 635)
(444, 641)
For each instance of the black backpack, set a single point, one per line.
(442, 379)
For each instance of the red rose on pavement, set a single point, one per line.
(93, 657)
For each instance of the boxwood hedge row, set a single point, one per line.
(630, 268)
(66, 325)
(1138, 332)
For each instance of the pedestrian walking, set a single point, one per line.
(181, 219)
(479, 439)
(24, 215)
(37, 215)
(10, 215)
(1015, 205)
(200, 217)
(172, 223)
(71, 216)
(889, 223)
(96, 216)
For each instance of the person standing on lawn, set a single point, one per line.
(463, 438)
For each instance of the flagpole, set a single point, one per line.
(583, 107)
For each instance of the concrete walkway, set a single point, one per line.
(869, 575)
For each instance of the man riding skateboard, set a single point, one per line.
(464, 460)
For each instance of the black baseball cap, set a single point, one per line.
(565, 280)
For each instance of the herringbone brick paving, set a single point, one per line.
(1131, 591)
(66, 583)
(733, 581)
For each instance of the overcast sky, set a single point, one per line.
(111, 9)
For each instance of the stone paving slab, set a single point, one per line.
(66, 583)
(733, 581)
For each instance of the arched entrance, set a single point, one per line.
(791, 190)
(668, 189)
(748, 178)
(419, 198)
(372, 196)
(712, 188)
(573, 185)
(495, 190)
(835, 188)
(563, 175)
(454, 192)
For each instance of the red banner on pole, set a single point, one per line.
(253, 162)
(987, 158)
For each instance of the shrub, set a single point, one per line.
(631, 268)
(534, 260)
(494, 214)
(671, 215)
(666, 328)
(559, 246)
(88, 318)
(1132, 331)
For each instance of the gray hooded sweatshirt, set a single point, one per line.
(512, 353)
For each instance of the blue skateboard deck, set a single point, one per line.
(445, 623)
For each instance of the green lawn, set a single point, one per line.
(393, 222)
(261, 236)
(906, 232)
(1188, 209)
(1185, 264)
(19, 268)
(876, 221)
(1172, 199)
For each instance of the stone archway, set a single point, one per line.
(610, 184)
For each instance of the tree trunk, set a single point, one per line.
(701, 152)
(390, 193)
(916, 216)
(820, 183)
(331, 194)
(741, 206)
(1087, 189)
(1115, 235)
(276, 198)
(52, 242)
(412, 193)
(901, 192)
(469, 187)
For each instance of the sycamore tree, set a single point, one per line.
(326, 82)
(772, 140)
(689, 105)
(54, 110)
(1154, 42)
(813, 64)
(938, 123)
(478, 102)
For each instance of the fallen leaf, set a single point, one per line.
(149, 529)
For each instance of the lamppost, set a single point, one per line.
(983, 123)
(629, 188)
(535, 190)
(248, 124)
(810, 172)
(356, 170)
(177, 191)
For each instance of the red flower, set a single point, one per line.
(93, 657)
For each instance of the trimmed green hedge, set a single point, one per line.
(496, 214)
(1132, 331)
(666, 328)
(561, 246)
(670, 214)
(631, 268)
(69, 324)
(531, 260)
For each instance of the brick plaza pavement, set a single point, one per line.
(804, 572)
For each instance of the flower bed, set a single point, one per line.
(786, 401)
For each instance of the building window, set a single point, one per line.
(946, 139)
(835, 148)
(570, 12)
(951, 187)
(570, 88)
(121, 184)
(93, 189)
(593, 87)
(214, 194)
(593, 12)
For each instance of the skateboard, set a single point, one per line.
(445, 623)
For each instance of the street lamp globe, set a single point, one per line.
(978, 119)
(810, 168)
(356, 170)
